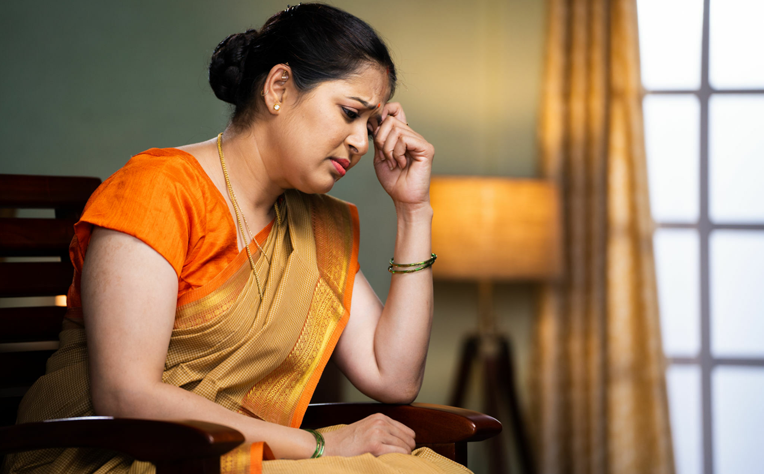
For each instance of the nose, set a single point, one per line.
(358, 141)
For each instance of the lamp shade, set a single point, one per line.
(495, 229)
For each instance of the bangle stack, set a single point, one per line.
(411, 267)
(319, 443)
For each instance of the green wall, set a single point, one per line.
(87, 84)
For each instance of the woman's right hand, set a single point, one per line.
(376, 434)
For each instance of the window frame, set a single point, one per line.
(705, 360)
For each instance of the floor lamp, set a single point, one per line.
(488, 230)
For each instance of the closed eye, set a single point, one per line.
(351, 114)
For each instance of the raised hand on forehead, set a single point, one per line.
(402, 157)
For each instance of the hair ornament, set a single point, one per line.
(291, 8)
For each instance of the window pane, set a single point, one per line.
(686, 417)
(737, 158)
(672, 128)
(737, 298)
(738, 417)
(670, 39)
(677, 254)
(735, 40)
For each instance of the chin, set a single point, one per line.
(326, 189)
(318, 187)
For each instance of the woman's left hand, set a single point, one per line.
(402, 158)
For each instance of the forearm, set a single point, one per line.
(160, 401)
(403, 331)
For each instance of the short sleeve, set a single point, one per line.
(156, 199)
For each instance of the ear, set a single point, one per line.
(276, 87)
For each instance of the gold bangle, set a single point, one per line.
(411, 267)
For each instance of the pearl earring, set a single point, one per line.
(276, 106)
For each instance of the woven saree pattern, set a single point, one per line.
(259, 357)
(275, 398)
(283, 396)
(332, 223)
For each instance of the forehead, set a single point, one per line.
(369, 84)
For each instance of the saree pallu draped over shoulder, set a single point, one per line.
(259, 358)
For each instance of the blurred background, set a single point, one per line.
(85, 85)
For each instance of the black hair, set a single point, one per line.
(320, 43)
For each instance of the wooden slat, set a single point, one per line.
(35, 278)
(154, 441)
(41, 237)
(20, 369)
(41, 323)
(29, 346)
(26, 191)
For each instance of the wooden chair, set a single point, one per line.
(29, 335)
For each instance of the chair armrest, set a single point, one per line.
(147, 440)
(433, 424)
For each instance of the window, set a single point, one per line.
(703, 73)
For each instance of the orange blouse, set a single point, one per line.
(164, 198)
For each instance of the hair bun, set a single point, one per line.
(319, 43)
(227, 66)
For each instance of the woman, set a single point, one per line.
(177, 311)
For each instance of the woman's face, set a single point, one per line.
(325, 132)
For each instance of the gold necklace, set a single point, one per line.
(240, 217)
(250, 235)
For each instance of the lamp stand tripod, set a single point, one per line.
(492, 350)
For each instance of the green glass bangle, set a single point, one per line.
(319, 443)
(411, 267)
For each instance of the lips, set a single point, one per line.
(341, 165)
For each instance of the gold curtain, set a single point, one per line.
(599, 400)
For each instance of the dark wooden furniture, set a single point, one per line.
(29, 335)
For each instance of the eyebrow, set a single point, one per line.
(364, 103)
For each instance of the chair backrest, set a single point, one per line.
(35, 273)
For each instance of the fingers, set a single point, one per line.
(389, 435)
(394, 109)
(388, 126)
(404, 433)
(388, 443)
(399, 152)
(395, 142)
(394, 150)
(393, 138)
(376, 434)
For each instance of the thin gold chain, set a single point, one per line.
(249, 235)
(239, 216)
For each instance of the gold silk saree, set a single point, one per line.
(259, 358)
